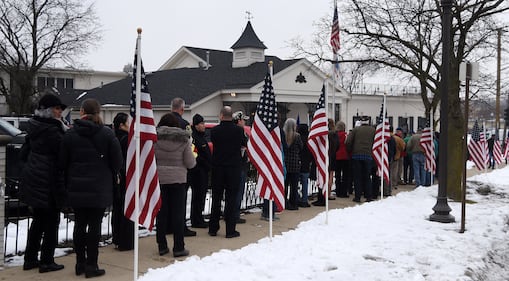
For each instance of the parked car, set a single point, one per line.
(13, 139)
(20, 122)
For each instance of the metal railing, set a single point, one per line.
(18, 216)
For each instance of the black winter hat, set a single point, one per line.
(50, 100)
(197, 119)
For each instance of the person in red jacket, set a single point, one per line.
(343, 179)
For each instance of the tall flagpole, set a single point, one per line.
(326, 185)
(382, 151)
(271, 201)
(137, 153)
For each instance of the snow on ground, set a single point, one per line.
(391, 239)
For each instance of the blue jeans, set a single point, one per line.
(419, 172)
(304, 180)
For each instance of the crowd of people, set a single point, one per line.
(81, 169)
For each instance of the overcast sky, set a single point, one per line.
(168, 25)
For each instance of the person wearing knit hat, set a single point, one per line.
(199, 175)
(42, 186)
(197, 119)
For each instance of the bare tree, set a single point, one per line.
(36, 33)
(405, 36)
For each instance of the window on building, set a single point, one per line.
(50, 82)
(60, 83)
(69, 83)
(41, 83)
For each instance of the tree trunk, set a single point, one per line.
(455, 162)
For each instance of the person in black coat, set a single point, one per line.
(199, 175)
(91, 159)
(122, 227)
(227, 138)
(41, 185)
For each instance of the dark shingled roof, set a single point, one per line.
(248, 39)
(191, 84)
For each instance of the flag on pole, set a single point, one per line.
(149, 192)
(497, 152)
(380, 148)
(264, 147)
(506, 149)
(428, 146)
(478, 148)
(334, 37)
(318, 141)
(334, 41)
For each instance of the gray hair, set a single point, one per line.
(45, 113)
(177, 104)
(290, 128)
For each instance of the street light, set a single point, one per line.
(441, 208)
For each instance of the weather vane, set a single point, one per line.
(249, 16)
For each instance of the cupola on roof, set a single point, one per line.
(248, 39)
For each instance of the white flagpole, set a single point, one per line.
(326, 185)
(137, 153)
(333, 115)
(271, 217)
(382, 151)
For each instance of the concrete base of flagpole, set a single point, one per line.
(442, 211)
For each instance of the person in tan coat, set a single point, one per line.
(174, 156)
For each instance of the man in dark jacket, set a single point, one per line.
(41, 184)
(227, 139)
(199, 175)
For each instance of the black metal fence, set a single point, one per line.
(18, 215)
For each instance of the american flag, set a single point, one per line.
(497, 152)
(380, 148)
(428, 146)
(264, 147)
(149, 192)
(318, 141)
(506, 149)
(478, 148)
(334, 36)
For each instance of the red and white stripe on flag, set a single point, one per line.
(318, 141)
(380, 150)
(264, 147)
(149, 191)
(478, 148)
(497, 152)
(506, 149)
(428, 146)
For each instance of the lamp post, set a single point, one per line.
(441, 208)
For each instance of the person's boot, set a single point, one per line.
(93, 271)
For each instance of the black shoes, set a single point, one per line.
(50, 267)
(181, 253)
(241, 220)
(30, 265)
(212, 233)
(233, 234)
(318, 203)
(358, 200)
(93, 271)
(292, 208)
(200, 225)
(188, 232)
(79, 268)
(163, 251)
(303, 204)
